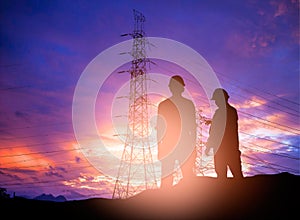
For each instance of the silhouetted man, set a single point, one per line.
(176, 133)
(223, 137)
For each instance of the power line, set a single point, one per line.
(271, 140)
(263, 150)
(13, 88)
(272, 166)
(296, 115)
(259, 90)
(36, 126)
(269, 106)
(265, 120)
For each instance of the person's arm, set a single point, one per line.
(212, 135)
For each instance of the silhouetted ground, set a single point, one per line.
(258, 197)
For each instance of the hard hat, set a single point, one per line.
(220, 93)
(178, 78)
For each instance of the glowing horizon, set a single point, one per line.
(46, 46)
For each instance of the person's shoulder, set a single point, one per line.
(164, 102)
(232, 107)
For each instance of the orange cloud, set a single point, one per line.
(251, 103)
(23, 158)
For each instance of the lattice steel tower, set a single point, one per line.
(136, 172)
(200, 167)
(200, 120)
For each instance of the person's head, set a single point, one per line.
(220, 96)
(176, 84)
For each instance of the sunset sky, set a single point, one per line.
(46, 47)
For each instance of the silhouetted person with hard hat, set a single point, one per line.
(176, 133)
(223, 137)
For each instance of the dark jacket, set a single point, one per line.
(223, 133)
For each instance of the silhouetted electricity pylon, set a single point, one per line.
(136, 172)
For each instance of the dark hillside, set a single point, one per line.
(258, 197)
